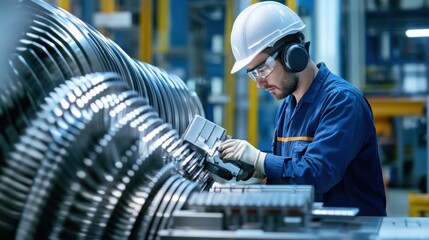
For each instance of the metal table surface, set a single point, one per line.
(350, 228)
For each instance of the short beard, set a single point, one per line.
(289, 86)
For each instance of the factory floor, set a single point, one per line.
(397, 202)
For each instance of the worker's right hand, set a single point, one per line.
(241, 150)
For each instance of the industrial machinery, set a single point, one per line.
(204, 137)
(96, 145)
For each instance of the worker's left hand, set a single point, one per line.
(241, 150)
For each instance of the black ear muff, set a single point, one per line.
(295, 57)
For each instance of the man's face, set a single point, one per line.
(278, 82)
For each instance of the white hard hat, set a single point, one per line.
(260, 26)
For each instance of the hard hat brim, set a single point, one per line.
(238, 65)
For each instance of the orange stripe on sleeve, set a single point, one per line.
(290, 139)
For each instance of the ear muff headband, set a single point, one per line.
(294, 56)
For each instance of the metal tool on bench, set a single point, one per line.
(204, 137)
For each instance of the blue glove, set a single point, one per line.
(241, 150)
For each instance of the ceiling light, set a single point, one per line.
(417, 32)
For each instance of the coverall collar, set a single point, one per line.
(317, 83)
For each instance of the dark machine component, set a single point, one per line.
(261, 212)
(279, 212)
(263, 209)
(204, 137)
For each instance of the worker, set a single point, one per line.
(325, 134)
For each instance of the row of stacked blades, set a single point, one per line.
(90, 138)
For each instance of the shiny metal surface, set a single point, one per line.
(83, 154)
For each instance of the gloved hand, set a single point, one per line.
(241, 150)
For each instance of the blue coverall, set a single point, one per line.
(328, 140)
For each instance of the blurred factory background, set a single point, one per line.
(366, 42)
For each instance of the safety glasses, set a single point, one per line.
(264, 69)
